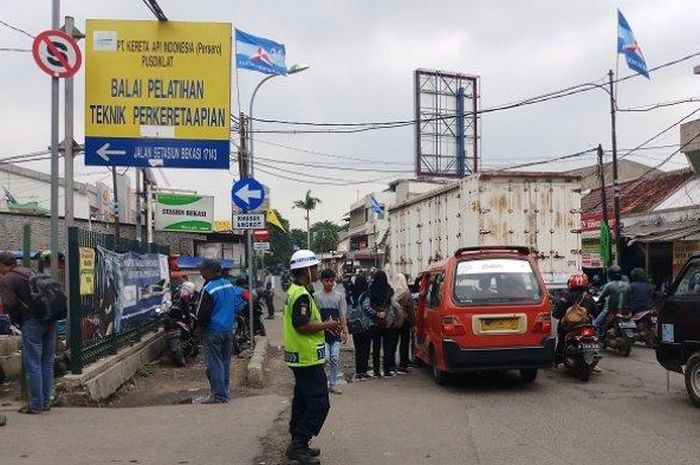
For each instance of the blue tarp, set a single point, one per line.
(189, 262)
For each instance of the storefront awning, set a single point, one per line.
(663, 232)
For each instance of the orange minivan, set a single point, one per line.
(484, 308)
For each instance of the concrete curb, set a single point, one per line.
(255, 373)
(102, 378)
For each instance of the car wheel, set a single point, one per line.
(528, 376)
(439, 376)
(692, 378)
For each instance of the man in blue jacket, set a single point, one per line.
(216, 318)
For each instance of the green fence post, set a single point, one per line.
(75, 315)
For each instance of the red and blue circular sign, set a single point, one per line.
(57, 54)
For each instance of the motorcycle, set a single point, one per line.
(619, 332)
(241, 335)
(645, 327)
(180, 324)
(581, 351)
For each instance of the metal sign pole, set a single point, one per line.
(55, 12)
(251, 285)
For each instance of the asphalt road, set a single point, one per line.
(625, 415)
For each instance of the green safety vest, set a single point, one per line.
(302, 349)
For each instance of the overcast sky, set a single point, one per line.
(362, 55)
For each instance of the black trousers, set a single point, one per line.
(377, 336)
(404, 344)
(390, 341)
(362, 342)
(269, 303)
(310, 405)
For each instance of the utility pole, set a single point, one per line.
(604, 201)
(139, 237)
(616, 186)
(243, 168)
(55, 13)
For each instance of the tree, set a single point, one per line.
(307, 204)
(324, 236)
(297, 238)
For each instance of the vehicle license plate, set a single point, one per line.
(589, 346)
(499, 324)
(627, 325)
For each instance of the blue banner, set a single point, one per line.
(627, 45)
(376, 206)
(132, 285)
(259, 54)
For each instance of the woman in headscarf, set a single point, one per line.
(377, 304)
(405, 320)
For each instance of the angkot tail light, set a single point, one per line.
(452, 326)
(543, 323)
(587, 332)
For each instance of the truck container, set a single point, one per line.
(491, 208)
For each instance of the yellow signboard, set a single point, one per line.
(682, 250)
(157, 93)
(87, 271)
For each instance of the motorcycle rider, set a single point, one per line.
(640, 291)
(576, 294)
(614, 296)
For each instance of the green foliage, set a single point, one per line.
(298, 238)
(145, 370)
(324, 236)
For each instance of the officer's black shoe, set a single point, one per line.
(302, 455)
(314, 451)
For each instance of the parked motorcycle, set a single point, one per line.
(180, 325)
(619, 333)
(645, 327)
(581, 351)
(241, 335)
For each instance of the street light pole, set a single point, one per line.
(249, 237)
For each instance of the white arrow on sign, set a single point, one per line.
(104, 152)
(245, 194)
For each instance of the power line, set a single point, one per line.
(323, 183)
(330, 155)
(655, 106)
(17, 29)
(332, 167)
(353, 127)
(549, 160)
(12, 49)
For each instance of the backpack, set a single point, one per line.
(575, 315)
(357, 320)
(399, 312)
(47, 299)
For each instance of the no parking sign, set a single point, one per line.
(57, 54)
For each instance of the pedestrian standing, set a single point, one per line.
(333, 307)
(38, 336)
(362, 323)
(216, 320)
(404, 299)
(377, 303)
(269, 285)
(305, 354)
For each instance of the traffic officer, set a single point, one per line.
(305, 353)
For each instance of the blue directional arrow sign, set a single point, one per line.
(247, 194)
(157, 152)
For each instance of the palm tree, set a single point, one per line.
(308, 203)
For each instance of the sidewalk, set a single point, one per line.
(180, 434)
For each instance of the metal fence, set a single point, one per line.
(91, 335)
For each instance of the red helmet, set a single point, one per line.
(577, 281)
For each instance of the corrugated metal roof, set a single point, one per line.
(639, 195)
(660, 231)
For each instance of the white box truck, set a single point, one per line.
(538, 210)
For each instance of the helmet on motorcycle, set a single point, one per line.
(577, 281)
(187, 290)
(303, 259)
(615, 273)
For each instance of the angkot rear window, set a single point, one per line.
(496, 281)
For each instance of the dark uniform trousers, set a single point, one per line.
(310, 405)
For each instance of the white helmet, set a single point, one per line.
(303, 259)
(187, 289)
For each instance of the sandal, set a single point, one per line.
(28, 411)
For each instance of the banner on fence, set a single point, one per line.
(130, 285)
(87, 271)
